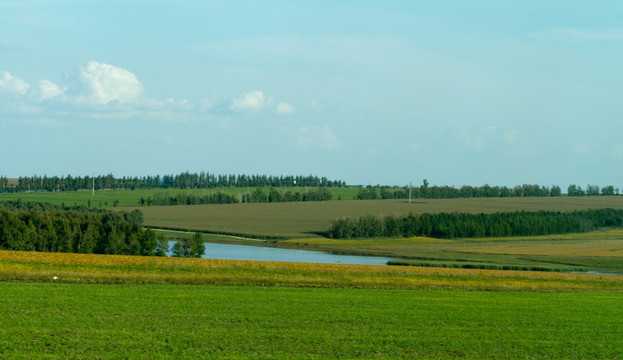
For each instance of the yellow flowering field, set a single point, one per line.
(86, 268)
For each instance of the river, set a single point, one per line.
(260, 253)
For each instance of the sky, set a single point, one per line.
(370, 92)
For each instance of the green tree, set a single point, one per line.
(193, 247)
(197, 247)
(178, 250)
(148, 243)
(163, 245)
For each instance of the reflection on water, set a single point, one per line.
(245, 252)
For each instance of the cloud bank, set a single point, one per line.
(103, 91)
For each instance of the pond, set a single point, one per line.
(257, 253)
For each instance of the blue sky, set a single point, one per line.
(457, 92)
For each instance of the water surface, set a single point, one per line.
(257, 253)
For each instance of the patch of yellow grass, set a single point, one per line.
(599, 248)
(34, 266)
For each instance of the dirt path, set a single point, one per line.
(207, 233)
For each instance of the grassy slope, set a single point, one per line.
(188, 322)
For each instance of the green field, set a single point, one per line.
(106, 198)
(87, 321)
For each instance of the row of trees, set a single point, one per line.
(592, 190)
(43, 227)
(163, 199)
(276, 195)
(449, 192)
(184, 180)
(256, 196)
(461, 225)
(193, 247)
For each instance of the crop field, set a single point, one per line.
(104, 306)
(310, 218)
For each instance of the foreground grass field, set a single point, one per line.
(109, 307)
(88, 321)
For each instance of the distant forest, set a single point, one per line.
(461, 225)
(205, 180)
(185, 180)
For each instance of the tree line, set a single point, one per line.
(183, 180)
(592, 190)
(463, 225)
(466, 191)
(256, 196)
(44, 227)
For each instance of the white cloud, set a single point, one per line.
(107, 83)
(48, 90)
(571, 34)
(306, 137)
(492, 138)
(283, 108)
(251, 101)
(11, 84)
(183, 104)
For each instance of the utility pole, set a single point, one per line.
(410, 187)
(93, 188)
